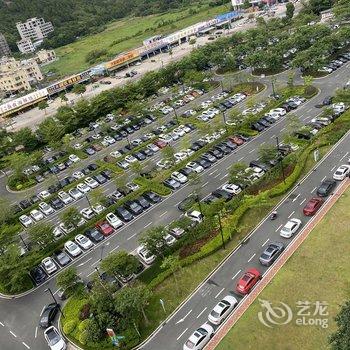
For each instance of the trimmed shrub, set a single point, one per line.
(69, 327)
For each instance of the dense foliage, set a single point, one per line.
(75, 18)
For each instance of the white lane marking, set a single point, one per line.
(200, 314)
(84, 262)
(54, 293)
(221, 178)
(206, 183)
(240, 159)
(213, 172)
(265, 242)
(301, 203)
(13, 334)
(278, 228)
(217, 175)
(132, 236)
(90, 273)
(236, 274)
(163, 214)
(36, 332)
(182, 334)
(296, 198)
(219, 293)
(273, 136)
(4, 325)
(115, 248)
(95, 263)
(262, 143)
(252, 257)
(251, 151)
(333, 168)
(291, 214)
(150, 223)
(313, 189)
(344, 156)
(183, 318)
(324, 178)
(27, 346)
(283, 129)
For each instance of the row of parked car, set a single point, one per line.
(336, 63)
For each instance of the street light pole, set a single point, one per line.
(199, 204)
(221, 231)
(102, 248)
(54, 299)
(176, 116)
(25, 244)
(273, 87)
(281, 161)
(224, 117)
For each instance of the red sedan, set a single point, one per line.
(248, 281)
(237, 140)
(105, 228)
(312, 206)
(160, 143)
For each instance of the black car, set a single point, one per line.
(133, 207)
(287, 107)
(326, 187)
(292, 105)
(209, 157)
(204, 163)
(327, 100)
(259, 164)
(304, 135)
(48, 315)
(143, 202)
(54, 188)
(107, 174)
(124, 190)
(211, 199)
(38, 275)
(94, 235)
(92, 167)
(223, 148)
(257, 127)
(123, 214)
(195, 147)
(187, 203)
(230, 144)
(186, 171)
(152, 197)
(64, 182)
(147, 152)
(221, 194)
(62, 258)
(271, 253)
(85, 171)
(264, 123)
(216, 153)
(100, 178)
(139, 156)
(172, 184)
(56, 203)
(24, 204)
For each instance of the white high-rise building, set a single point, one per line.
(35, 29)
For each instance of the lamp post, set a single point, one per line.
(54, 299)
(224, 117)
(281, 161)
(176, 116)
(221, 231)
(273, 87)
(199, 204)
(25, 244)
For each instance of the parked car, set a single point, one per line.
(54, 339)
(271, 253)
(248, 281)
(38, 275)
(326, 187)
(222, 309)
(113, 220)
(48, 314)
(145, 255)
(105, 228)
(83, 241)
(49, 265)
(290, 228)
(94, 235)
(342, 172)
(72, 249)
(199, 338)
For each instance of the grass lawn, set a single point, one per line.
(126, 34)
(318, 271)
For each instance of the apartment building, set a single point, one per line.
(4, 48)
(18, 76)
(45, 56)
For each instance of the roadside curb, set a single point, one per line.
(271, 273)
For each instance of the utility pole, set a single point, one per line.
(54, 299)
(281, 161)
(221, 231)
(199, 204)
(176, 116)
(224, 117)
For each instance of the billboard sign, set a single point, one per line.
(227, 16)
(23, 101)
(61, 85)
(122, 59)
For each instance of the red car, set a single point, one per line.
(312, 206)
(248, 281)
(160, 143)
(237, 140)
(105, 228)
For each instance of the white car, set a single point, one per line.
(231, 188)
(280, 111)
(290, 228)
(133, 187)
(74, 158)
(109, 139)
(83, 188)
(75, 193)
(130, 159)
(169, 240)
(54, 339)
(25, 220)
(98, 209)
(222, 309)
(83, 242)
(179, 177)
(92, 183)
(179, 131)
(115, 154)
(78, 146)
(44, 194)
(195, 216)
(179, 156)
(341, 173)
(65, 197)
(113, 220)
(49, 265)
(145, 255)
(154, 148)
(37, 215)
(163, 164)
(195, 167)
(72, 248)
(46, 208)
(78, 175)
(57, 232)
(199, 338)
(87, 213)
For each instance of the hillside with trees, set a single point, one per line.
(76, 18)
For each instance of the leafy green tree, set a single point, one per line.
(290, 10)
(27, 138)
(18, 162)
(168, 153)
(153, 240)
(246, 5)
(43, 105)
(79, 89)
(121, 180)
(137, 168)
(41, 234)
(267, 152)
(50, 130)
(172, 263)
(293, 123)
(120, 264)
(71, 217)
(238, 174)
(340, 339)
(63, 97)
(6, 212)
(68, 278)
(96, 196)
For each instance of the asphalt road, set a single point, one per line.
(20, 316)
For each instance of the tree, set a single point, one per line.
(308, 80)
(137, 168)
(246, 5)
(238, 174)
(96, 196)
(293, 123)
(27, 138)
(50, 130)
(132, 301)
(121, 180)
(168, 153)
(43, 105)
(71, 217)
(120, 264)
(41, 234)
(267, 153)
(6, 212)
(290, 10)
(153, 240)
(63, 97)
(18, 162)
(340, 339)
(172, 263)
(79, 89)
(68, 278)
(195, 180)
